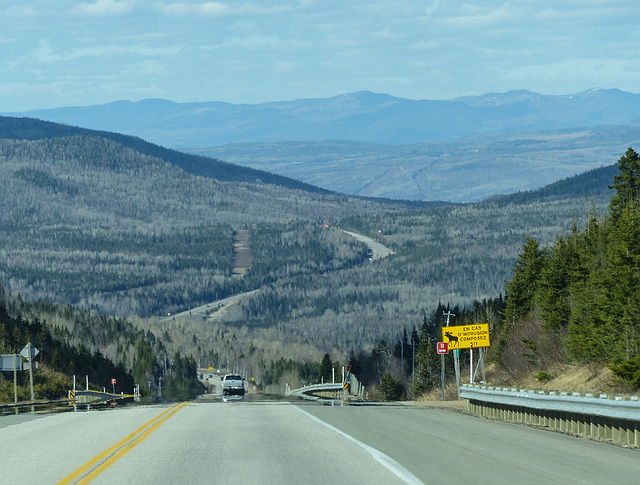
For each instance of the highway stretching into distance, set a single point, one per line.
(254, 440)
(378, 251)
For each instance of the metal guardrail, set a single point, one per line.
(318, 391)
(595, 404)
(610, 417)
(92, 397)
(353, 391)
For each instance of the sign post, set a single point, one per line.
(29, 352)
(15, 377)
(471, 364)
(443, 348)
(468, 337)
(456, 366)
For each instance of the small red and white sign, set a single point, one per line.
(113, 381)
(443, 347)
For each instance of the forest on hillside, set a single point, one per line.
(88, 223)
(450, 254)
(578, 297)
(442, 255)
(89, 346)
(571, 301)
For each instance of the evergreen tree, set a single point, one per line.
(391, 389)
(521, 290)
(427, 374)
(558, 274)
(623, 282)
(326, 368)
(380, 359)
(626, 184)
(402, 352)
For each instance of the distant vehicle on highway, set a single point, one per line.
(232, 384)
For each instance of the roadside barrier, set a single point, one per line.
(350, 389)
(608, 417)
(318, 391)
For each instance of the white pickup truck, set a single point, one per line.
(232, 384)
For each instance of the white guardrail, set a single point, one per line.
(595, 404)
(609, 417)
(318, 391)
(331, 391)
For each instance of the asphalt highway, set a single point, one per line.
(248, 440)
(377, 249)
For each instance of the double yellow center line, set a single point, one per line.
(94, 467)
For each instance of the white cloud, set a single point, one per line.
(426, 45)
(46, 54)
(20, 11)
(209, 9)
(104, 8)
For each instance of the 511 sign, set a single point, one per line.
(467, 336)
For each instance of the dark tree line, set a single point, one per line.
(582, 290)
(307, 372)
(57, 354)
(78, 343)
(412, 366)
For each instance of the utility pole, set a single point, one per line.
(31, 356)
(413, 360)
(404, 370)
(15, 377)
(456, 363)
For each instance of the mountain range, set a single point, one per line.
(377, 145)
(362, 116)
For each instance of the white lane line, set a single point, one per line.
(389, 463)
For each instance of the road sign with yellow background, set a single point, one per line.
(466, 336)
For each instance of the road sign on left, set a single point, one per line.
(25, 351)
(10, 362)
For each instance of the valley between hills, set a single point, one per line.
(111, 225)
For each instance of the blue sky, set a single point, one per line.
(61, 53)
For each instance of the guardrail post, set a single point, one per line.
(604, 417)
(574, 426)
(596, 427)
(583, 425)
(617, 431)
(535, 418)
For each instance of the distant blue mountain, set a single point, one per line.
(361, 116)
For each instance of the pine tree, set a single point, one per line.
(521, 290)
(326, 367)
(392, 389)
(559, 272)
(605, 323)
(427, 374)
(626, 184)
